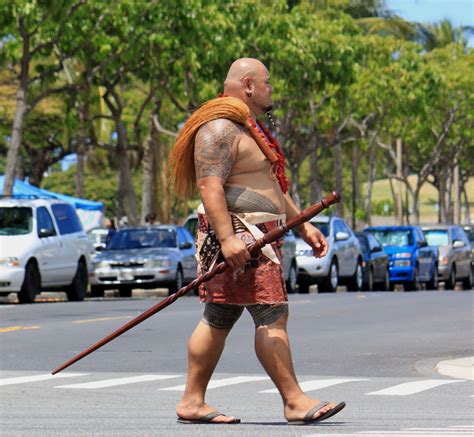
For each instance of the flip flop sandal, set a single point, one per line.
(207, 419)
(308, 419)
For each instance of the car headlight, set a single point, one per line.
(402, 255)
(402, 263)
(9, 261)
(443, 260)
(304, 252)
(156, 263)
(101, 265)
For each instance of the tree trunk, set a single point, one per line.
(399, 199)
(294, 171)
(355, 183)
(456, 194)
(81, 152)
(467, 211)
(337, 156)
(20, 111)
(370, 183)
(125, 182)
(442, 213)
(416, 206)
(315, 182)
(448, 204)
(149, 171)
(163, 199)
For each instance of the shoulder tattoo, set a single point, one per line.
(213, 148)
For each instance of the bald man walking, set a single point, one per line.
(244, 193)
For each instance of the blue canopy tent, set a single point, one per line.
(89, 212)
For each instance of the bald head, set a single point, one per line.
(242, 68)
(248, 79)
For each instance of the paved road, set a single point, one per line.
(376, 351)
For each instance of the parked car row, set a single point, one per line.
(384, 256)
(44, 247)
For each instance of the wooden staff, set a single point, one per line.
(270, 237)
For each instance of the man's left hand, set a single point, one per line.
(315, 239)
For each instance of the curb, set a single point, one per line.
(462, 368)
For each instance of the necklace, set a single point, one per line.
(270, 148)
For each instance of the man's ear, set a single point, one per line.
(248, 86)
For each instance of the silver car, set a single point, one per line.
(288, 253)
(145, 257)
(341, 266)
(454, 261)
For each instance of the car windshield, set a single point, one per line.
(323, 227)
(16, 221)
(437, 237)
(393, 238)
(142, 239)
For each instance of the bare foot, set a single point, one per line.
(297, 409)
(195, 412)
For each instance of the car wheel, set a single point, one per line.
(177, 284)
(369, 284)
(292, 280)
(451, 280)
(385, 284)
(329, 283)
(97, 291)
(31, 284)
(125, 291)
(77, 290)
(355, 282)
(415, 284)
(467, 282)
(432, 284)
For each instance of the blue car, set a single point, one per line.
(412, 261)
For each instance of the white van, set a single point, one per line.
(42, 247)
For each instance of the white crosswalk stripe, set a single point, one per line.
(223, 382)
(409, 388)
(36, 378)
(451, 431)
(118, 381)
(317, 384)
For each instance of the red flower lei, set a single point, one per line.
(280, 163)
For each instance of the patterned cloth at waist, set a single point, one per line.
(259, 282)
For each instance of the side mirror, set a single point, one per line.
(457, 244)
(99, 248)
(46, 232)
(186, 245)
(340, 236)
(422, 244)
(376, 249)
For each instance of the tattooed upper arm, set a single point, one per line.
(213, 154)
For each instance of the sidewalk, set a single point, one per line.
(462, 368)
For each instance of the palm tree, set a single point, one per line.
(441, 34)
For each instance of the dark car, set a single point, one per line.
(375, 263)
(145, 257)
(412, 261)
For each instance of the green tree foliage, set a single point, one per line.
(114, 81)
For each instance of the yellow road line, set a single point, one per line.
(101, 319)
(18, 328)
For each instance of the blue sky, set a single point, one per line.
(460, 12)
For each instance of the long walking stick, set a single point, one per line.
(254, 248)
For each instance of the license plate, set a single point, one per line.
(125, 276)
